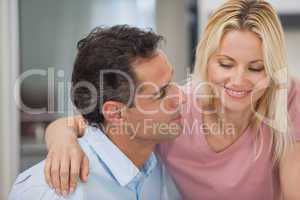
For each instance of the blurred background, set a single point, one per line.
(38, 46)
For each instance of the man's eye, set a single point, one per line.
(161, 94)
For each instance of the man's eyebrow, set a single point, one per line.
(166, 85)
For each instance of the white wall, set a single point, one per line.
(9, 121)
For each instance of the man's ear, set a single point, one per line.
(112, 111)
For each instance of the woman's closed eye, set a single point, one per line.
(253, 69)
(256, 69)
(225, 65)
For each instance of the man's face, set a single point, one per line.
(155, 114)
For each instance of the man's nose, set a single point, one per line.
(180, 97)
(183, 97)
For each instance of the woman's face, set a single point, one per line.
(237, 70)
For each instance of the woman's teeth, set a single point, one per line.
(236, 94)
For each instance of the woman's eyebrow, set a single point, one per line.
(232, 59)
(228, 57)
(258, 60)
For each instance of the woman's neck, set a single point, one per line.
(229, 122)
(239, 120)
(230, 126)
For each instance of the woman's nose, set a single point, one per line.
(238, 76)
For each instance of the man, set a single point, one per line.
(121, 85)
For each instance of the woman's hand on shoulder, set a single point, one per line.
(66, 160)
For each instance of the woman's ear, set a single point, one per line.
(112, 112)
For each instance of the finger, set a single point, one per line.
(64, 175)
(84, 172)
(75, 167)
(47, 170)
(55, 175)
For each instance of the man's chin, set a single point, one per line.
(171, 135)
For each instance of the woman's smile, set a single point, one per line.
(237, 94)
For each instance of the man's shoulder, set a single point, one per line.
(31, 184)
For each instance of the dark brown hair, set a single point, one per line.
(113, 48)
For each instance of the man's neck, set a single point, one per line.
(137, 150)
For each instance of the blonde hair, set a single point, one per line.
(259, 17)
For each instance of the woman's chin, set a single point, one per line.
(236, 106)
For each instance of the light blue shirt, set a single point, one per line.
(112, 176)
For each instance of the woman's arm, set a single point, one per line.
(74, 125)
(290, 173)
(65, 160)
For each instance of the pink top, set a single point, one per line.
(244, 170)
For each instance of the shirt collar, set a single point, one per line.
(121, 167)
(149, 165)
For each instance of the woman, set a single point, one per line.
(241, 135)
